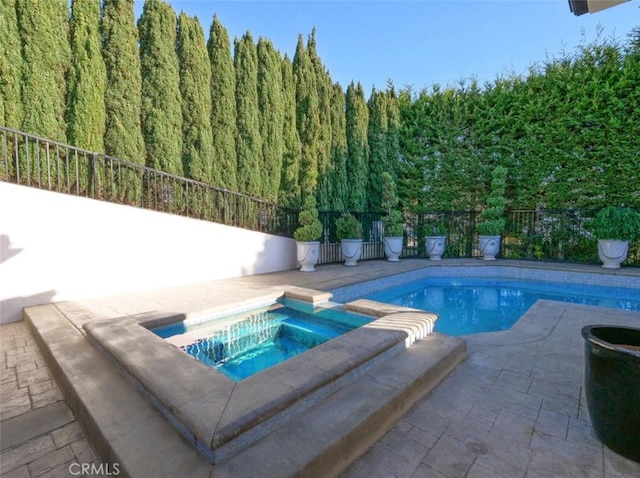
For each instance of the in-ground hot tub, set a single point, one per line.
(247, 343)
(221, 416)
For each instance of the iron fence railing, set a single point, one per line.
(34, 161)
(546, 235)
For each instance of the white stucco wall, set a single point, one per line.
(56, 247)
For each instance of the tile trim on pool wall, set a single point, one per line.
(600, 278)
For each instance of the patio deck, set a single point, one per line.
(515, 407)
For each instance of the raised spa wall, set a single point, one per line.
(221, 416)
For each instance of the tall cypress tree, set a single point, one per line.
(324, 91)
(307, 118)
(10, 66)
(340, 187)
(357, 118)
(123, 95)
(377, 139)
(292, 149)
(87, 78)
(161, 102)
(5, 170)
(249, 142)
(10, 75)
(195, 78)
(44, 29)
(223, 108)
(393, 130)
(270, 99)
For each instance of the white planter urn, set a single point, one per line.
(612, 252)
(308, 255)
(435, 247)
(351, 251)
(393, 248)
(489, 247)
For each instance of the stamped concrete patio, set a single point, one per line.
(514, 408)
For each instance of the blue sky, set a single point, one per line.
(417, 42)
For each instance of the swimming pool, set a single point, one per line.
(260, 339)
(474, 304)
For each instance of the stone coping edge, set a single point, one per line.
(117, 420)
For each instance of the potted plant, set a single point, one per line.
(349, 231)
(436, 239)
(307, 235)
(614, 227)
(393, 224)
(492, 221)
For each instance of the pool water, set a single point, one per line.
(472, 305)
(263, 338)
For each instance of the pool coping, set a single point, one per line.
(222, 417)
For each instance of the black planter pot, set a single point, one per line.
(612, 384)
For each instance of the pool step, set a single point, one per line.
(327, 438)
(327, 331)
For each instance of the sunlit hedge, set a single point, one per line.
(568, 132)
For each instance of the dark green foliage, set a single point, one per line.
(492, 220)
(393, 130)
(46, 54)
(10, 76)
(44, 30)
(223, 107)
(307, 117)
(310, 228)
(621, 223)
(441, 164)
(377, 140)
(161, 102)
(290, 193)
(567, 132)
(10, 66)
(248, 142)
(348, 227)
(389, 202)
(357, 118)
(271, 117)
(87, 78)
(324, 91)
(195, 78)
(123, 133)
(339, 183)
(6, 168)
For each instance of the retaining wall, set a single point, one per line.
(56, 247)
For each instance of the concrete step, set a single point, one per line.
(326, 439)
(121, 425)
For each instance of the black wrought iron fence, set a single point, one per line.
(38, 162)
(372, 236)
(544, 235)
